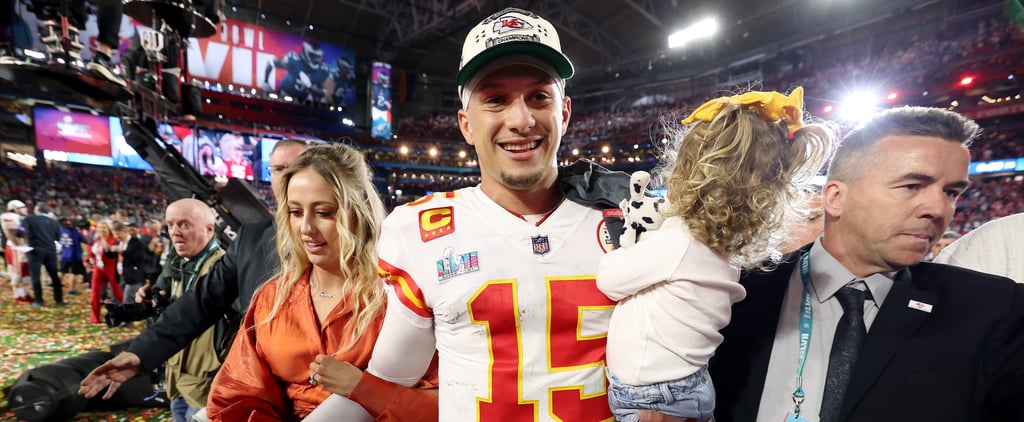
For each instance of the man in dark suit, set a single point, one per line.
(133, 257)
(891, 338)
(42, 232)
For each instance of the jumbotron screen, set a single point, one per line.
(73, 136)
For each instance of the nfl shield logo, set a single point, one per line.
(540, 245)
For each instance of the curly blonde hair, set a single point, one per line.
(358, 222)
(736, 181)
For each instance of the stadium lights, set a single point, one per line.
(404, 150)
(967, 80)
(702, 29)
(575, 151)
(859, 106)
(462, 154)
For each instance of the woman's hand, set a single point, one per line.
(336, 376)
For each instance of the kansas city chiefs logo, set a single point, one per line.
(509, 23)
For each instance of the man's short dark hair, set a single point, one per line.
(289, 141)
(43, 208)
(852, 153)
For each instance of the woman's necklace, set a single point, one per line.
(321, 293)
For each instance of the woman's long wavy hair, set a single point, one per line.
(736, 181)
(360, 213)
(105, 226)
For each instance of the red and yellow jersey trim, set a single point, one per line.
(406, 289)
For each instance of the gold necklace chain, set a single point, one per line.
(321, 293)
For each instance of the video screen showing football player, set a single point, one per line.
(306, 73)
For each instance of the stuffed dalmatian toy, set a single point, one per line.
(640, 211)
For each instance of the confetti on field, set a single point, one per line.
(31, 337)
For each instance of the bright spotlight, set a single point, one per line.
(893, 95)
(827, 109)
(859, 106)
(404, 150)
(605, 149)
(702, 29)
(967, 80)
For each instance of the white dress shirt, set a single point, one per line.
(827, 276)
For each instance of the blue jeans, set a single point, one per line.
(181, 411)
(689, 397)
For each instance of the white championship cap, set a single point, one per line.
(15, 204)
(511, 32)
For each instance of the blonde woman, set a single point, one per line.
(325, 305)
(103, 252)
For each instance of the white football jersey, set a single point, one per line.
(519, 322)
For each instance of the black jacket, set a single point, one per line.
(961, 361)
(41, 231)
(132, 258)
(249, 262)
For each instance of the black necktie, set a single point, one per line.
(850, 334)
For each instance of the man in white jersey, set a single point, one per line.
(500, 277)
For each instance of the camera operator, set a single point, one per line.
(190, 372)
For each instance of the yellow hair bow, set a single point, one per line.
(772, 106)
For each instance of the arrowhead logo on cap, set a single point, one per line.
(511, 23)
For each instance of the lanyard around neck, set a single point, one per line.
(805, 329)
(185, 285)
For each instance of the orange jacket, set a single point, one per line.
(266, 374)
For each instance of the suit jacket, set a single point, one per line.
(963, 361)
(251, 260)
(132, 259)
(41, 233)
